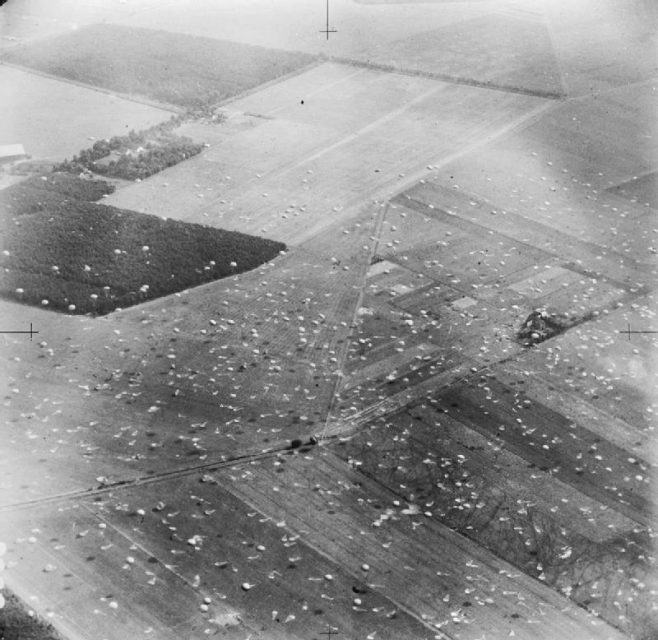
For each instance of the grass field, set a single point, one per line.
(54, 119)
(442, 578)
(438, 464)
(642, 189)
(474, 454)
(357, 130)
(492, 50)
(168, 67)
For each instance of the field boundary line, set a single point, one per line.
(464, 223)
(395, 187)
(398, 401)
(515, 368)
(339, 382)
(391, 115)
(445, 77)
(164, 106)
(314, 533)
(216, 465)
(603, 92)
(324, 87)
(24, 592)
(633, 178)
(350, 137)
(554, 50)
(390, 188)
(247, 498)
(170, 108)
(316, 62)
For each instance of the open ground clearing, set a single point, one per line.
(413, 560)
(137, 445)
(640, 189)
(294, 24)
(613, 51)
(359, 131)
(479, 487)
(259, 351)
(63, 123)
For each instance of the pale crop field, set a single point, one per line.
(55, 119)
(358, 136)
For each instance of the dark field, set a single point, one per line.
(17, 624)
(179, 69)
(55, 189)
(70, 254)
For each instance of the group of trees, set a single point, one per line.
(150, 160)
(48, 191)
(139, 154)
(82, 257)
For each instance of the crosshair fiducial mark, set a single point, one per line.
(327, 30)
(329, 633)
(31, 331)
(628, 331)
